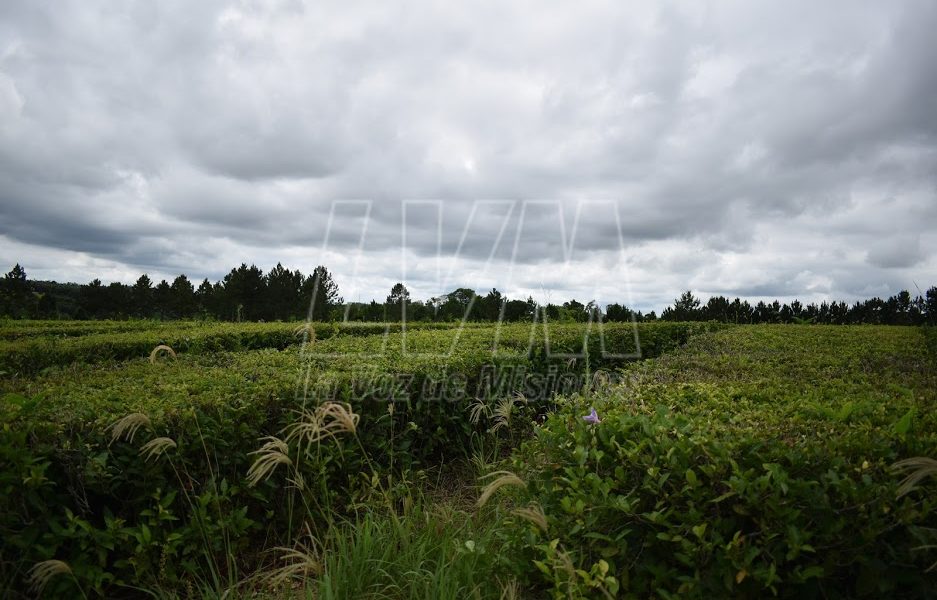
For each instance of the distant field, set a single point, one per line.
(745, 460)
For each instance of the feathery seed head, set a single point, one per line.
(501, 479)
(127, 427)
(43, 572)
(274, 452)
(156, 447)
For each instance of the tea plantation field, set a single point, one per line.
(276, 460)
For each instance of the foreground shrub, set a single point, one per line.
(672, 508)
(747, 465)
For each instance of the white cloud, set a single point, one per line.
(754, 149)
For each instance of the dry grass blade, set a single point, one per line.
(298, 481)
(128, 426)
(505, 409)
(327, 420)
(341, 414)
(600, 380)
(43, 572)
(301, 563)
(501, 479)
(533, 513)
(477, 409)
(161, 349)
(917, 468)
(274, 452)
(306, 330)
(156, 447)
(510, 590)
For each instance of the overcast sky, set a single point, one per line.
(738, 148)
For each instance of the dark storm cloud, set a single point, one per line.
(749, 148)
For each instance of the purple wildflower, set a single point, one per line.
(592, 417)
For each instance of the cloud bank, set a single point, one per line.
(736, 148)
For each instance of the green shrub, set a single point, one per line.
(117, 518)
(714, 516)
(755, 462)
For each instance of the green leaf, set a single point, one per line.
(903, 426)
(691, 477)
(167, 500)
(845, 411)
(722, 497)
(811, 572)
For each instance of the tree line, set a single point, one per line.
(246, 293)
(900, 309)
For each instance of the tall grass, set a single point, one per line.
(429, 552)
(916, 470)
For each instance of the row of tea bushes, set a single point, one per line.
(29, 349)
(755, 462)
(341, 367)
(77, 495)
(17, 329)
(31, 356)
(26, 348)
(88, 501)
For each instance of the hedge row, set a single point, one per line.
(31, 356)
(19, 330)
(88, 501)
(28, 355)
(85, 395)
(754, 462)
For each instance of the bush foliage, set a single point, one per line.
(118, 517)
(738, 461)
(755, 462)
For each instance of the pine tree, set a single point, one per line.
(141, 295)
(322, 293)
(15, 297)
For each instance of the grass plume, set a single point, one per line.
(478, 409)
(161, 349)
(327, 420)
(917, 468)
(43, 572)
(301, 563)
(534, 514)
(128, 426)
(156, 447)
(274, 452)
(500, 479)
